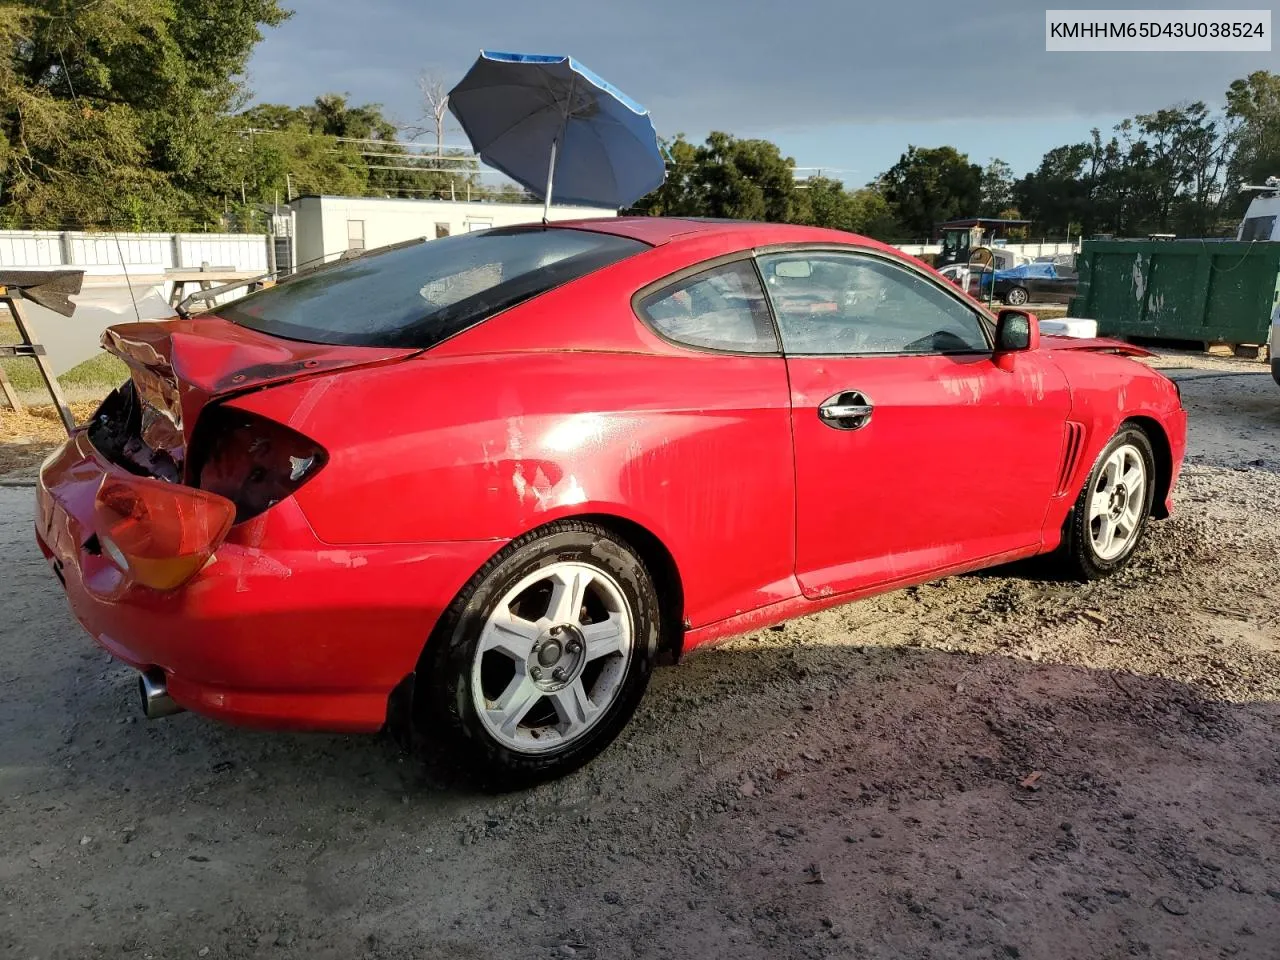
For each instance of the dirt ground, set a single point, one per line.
(846, 786)
(26, 437)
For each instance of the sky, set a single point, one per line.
(841, 85)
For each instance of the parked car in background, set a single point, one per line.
(1050, 280)
(966, 277)
(481, 484)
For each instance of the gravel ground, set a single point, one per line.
(850, 785)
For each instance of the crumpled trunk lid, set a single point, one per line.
(178, 366)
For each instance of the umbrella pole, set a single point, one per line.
(551, 175)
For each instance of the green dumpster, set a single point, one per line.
(1211, 291)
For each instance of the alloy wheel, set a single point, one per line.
(552, 657)
(1116, 502)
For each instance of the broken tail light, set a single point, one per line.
(252, 461)
(159, 533)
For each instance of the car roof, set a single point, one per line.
(661, 230)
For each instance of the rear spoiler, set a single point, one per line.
(1098, 345)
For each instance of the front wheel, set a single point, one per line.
(543, 657)
(1110, 515)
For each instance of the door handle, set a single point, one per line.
(841, 411)
(847, 410)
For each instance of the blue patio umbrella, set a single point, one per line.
(548, 121)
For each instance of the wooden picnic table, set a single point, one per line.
(205, 277)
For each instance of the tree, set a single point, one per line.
(930, 185)
(334, 117)
(726, 177)
(1186, 154)
(292, 161)
(824, 202)
(1159, 172)
(1061, 195)
(745, 179)
(679, 195)
(435, 102)
(335, 147)
(288, 151)
(1253, 109)
(750, 179)
(996, 188)
(873, 215)
(1013, 213)
(118, 113)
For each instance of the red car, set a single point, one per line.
(485, 483)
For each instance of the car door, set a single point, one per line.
(721, 443)
(1041, 289)
(1065, 284)
(915, 450)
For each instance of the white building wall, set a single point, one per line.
(327, 225)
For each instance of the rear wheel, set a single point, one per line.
(543, 657)
(1016, 297)
(1111, 513)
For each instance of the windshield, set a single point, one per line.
(420, 293)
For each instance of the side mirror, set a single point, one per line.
(1016, 330)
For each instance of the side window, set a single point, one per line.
(721, 309)
(1258, 228)
(841, 304)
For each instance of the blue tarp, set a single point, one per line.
(1043, 271)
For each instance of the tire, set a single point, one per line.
(1016, 296)
(567, 691)
(1275, 370)
(1087, 552)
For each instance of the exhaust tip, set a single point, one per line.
(153, 691)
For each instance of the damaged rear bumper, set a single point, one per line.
(279, 630)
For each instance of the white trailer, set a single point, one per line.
(327, 227)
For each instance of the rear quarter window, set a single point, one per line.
(418, 294)
(723, 308)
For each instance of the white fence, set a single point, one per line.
(1045, 248)
(102, 254)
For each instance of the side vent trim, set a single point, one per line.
(1072, 445)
